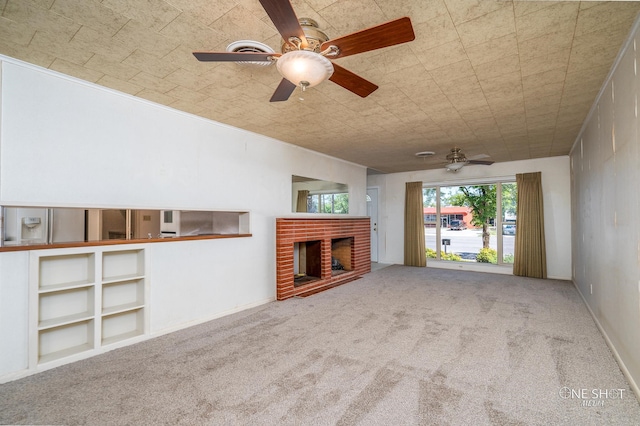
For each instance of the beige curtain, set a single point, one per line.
(414, 248)
(530, 252)
(301, 205)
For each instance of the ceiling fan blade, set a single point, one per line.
(383, 35)
(284, 18)
(478, 157)
(283, 91)
(235, 56)
(483, 162)
(352, 82)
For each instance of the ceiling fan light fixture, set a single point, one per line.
(304, 68)
(454, 167)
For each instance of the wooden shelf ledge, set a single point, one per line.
(118, 242)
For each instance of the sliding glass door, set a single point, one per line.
(463, 223)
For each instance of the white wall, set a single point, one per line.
(14, 326)
(67, 143)
(74, 144)
(605, 195)
(555, 188)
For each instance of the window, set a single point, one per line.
(509, 198)
(430, 219)
(328, 203)
(471, 229)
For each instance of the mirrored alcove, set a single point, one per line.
(309, 195)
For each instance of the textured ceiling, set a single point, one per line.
(513, 80)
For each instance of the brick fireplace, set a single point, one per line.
(306, 247)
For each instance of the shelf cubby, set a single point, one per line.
(65, 306)
(66, 340)
(72, 270)
(122, 265)
(122, 295)
(122, 325)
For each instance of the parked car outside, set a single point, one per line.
(508, 230)
(457, 225)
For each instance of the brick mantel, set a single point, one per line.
(301, 230)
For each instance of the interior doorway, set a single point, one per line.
(372, 212)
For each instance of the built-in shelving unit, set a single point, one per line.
(65, 305)
(85, 299)
(122, 295)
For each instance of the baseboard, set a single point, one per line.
(471, 266)
(10, 377)
(210, 318)
(616, 355)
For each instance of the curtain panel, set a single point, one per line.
(414, 247)
(530, 258)
(301, 205)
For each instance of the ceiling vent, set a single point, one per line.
(424, 154)
(250, 46)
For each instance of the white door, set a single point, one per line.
(372, 212)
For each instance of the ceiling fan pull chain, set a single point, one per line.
(303, 88)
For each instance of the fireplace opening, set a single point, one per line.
(307, 264)
(341, 255)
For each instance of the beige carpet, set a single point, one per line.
(402, 345)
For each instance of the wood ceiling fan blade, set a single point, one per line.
(284, 18)
(283, 91)
(483, 162)
(352, 82)
(235, 56)
(383, 35)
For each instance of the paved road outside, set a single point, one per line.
(467, 242)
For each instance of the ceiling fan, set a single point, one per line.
(307, 50)
(457, 160)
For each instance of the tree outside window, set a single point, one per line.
(481, 199)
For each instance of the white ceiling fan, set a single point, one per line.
(457, 160)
